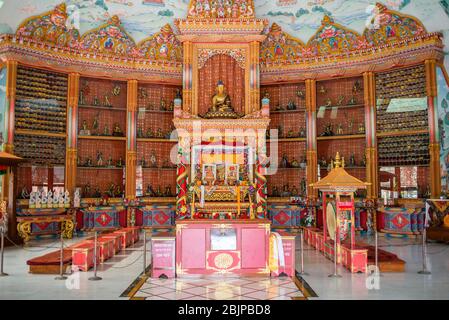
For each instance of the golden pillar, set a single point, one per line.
(187, 92)
(72, 131)
(372, 166)
(254, 93)
(11, 79)
(311, 153)
(131, 145)
(9, 180)
(434, 145)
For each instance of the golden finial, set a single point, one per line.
(381, 7)
(327, 20)
(275, 28)
(167, 29)
(337, 162)
(332, 164)
(115, 20)
(343, 162)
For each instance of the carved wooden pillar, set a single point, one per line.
(254, 78)
(312, 164)
(72, 132)
(187, 92)
(434, 145)
(370, 132)
(131, 145)
(9, 182)
(11, 78)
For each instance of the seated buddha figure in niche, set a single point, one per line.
(221, 105)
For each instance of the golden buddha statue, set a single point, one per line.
(221, 105)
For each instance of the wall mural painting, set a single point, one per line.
(443, 123)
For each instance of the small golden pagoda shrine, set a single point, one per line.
(338, 216)
(339, 179)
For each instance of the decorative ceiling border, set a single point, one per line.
(388, 28)
(393, 39)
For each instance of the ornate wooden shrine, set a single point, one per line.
(338, 217)
(103, 109)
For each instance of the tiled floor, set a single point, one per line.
(120, 273)
(219, 288)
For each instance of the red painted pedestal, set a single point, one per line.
(222, 247)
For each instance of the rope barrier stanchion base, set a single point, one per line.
(424, 272)
(302, 273)
(335, 274)
(95, 276)
(2, 254)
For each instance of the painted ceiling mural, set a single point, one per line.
(300, 19)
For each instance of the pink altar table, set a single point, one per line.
(222, 247)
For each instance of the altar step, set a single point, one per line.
(80, 255)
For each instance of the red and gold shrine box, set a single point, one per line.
(355, 259)
(83, 255)
(329, 250)
(288, 244)
(135, 233)
(164, 255)
(126, 237)
(106, 248)
(319, 237)
(117, 240)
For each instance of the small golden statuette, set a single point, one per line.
(221, 105)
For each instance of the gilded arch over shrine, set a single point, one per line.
(391, 26)
(239, 55)
(110, 37)
(50, 27)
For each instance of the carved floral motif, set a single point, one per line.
(162, 46)
(237, 54)
(332, 38)
(390, 26)
(50, 27)
(280, 46)
(221, 9)
(110, 38)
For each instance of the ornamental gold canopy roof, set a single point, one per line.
(339, 178)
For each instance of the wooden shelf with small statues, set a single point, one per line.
(340, 109)
(96, 107)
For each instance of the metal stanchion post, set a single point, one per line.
(2, 249)
(303, 273)
(61, 260)
(335, 275)
(95, 277)
(424, 253)
(144, 273)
